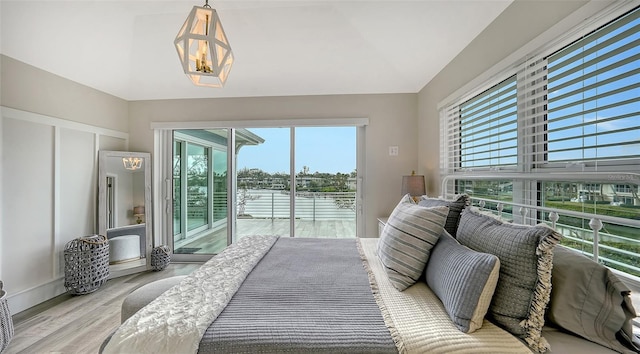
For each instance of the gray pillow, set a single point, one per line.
(524, 285)
(589, 300)
(464, 280)
(456, 205)
(407, 239)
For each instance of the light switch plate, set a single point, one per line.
(393, 151)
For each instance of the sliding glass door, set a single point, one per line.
(200, 191)
(292, 181)
(325, 179)
(264, 184)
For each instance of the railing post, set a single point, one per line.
(553, 217)
(314, 206)
(272, 206)
(596, 225)
(523, 213)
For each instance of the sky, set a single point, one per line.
(322, 149)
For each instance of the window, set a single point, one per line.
(492, 195)
(488, 127)
(572, 111)
(622, 188)
(618, 243)
(593, 90)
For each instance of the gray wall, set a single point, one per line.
(28, 88)
(392, 122)
(521, 22)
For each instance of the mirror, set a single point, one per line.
(124, 209)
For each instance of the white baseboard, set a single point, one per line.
(30, 297)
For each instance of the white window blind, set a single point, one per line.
(450, 139)
(488, 127)
(594, 95)
(532, 112)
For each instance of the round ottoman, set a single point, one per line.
(143, 295)
(124, 248)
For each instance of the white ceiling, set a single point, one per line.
(281, 48)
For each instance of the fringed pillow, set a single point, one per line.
(524, 284)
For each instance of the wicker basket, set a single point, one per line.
(160, 257)
(86, 264)
(6, 323)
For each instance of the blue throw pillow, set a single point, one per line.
(464, 280)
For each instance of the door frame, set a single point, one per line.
(163, 173)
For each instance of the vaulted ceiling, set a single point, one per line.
(281, 48)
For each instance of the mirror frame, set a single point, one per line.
(102, 209)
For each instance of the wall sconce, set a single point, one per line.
(139, 213)
(413, 185)
(203, 48)
(132, 163)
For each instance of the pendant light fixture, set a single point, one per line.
(132, 163)
(203, 48)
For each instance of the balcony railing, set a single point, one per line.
(607, 231)
(275, 204)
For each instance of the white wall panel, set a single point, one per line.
(27, 203)
(49, 195)
(77, 188)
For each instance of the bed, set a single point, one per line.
(268, 294)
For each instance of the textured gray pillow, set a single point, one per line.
(590, 301)
(464, 280)
(524, 285)
(407, 239)
(456, 205)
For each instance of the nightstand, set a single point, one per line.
(381, 223)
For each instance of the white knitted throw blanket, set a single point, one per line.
(176, 320)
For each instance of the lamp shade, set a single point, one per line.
(414, 185)
(139, 210)
(203, 48)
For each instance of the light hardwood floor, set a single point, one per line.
(79, 323)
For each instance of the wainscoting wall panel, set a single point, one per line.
(77, 183)
(49, 194)
(27, 220)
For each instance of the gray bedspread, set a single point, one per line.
(305, 295)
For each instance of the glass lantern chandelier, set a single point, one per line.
(132, 163)
(203, 48)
